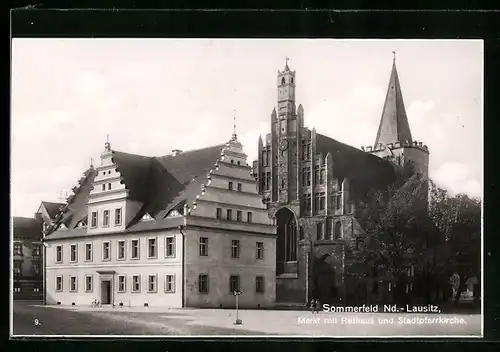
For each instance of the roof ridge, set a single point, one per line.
(221, 145)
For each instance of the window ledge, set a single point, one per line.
(287, 276)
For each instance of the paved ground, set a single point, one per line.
(202, 322)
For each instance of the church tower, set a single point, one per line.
(394, 141)
(283, 142)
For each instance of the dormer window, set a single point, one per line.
(174, 213)
(146, 217)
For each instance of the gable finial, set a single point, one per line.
(234, 126)
(107, 146)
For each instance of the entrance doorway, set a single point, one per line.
(106, 292)
(325, 279)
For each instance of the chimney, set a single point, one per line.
(176, 152)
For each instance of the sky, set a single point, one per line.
(155, 95)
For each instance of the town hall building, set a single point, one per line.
(311, 184)
(182, 230)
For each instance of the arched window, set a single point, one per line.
(329, 229)
(291, 236)
(338, 230)
(283, 80)
(292, 80)
(319, 231)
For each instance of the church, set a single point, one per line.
(311, 184)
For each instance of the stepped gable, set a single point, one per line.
(364, 171)
(27, 228)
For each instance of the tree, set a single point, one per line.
(458, 219)
(397, 229)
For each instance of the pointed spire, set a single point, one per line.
(394, 126)
(260, 141)
(273, 114)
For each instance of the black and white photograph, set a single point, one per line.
(312, 188)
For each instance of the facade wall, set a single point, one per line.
(219, 266)
(28, 269)
(143, 266)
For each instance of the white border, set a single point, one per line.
(432, 337)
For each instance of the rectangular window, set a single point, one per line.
(88, 283)
(316, 202)
(35, 252)
(152, 280)
(249, 216)
(169, 283)
(136, 283)
(218, 213)
(88, 252)
(230, 186)
(121, 250)
(238, 215)
(234, 283)
(18, 248)
(203, 283)
(268, 181)
(103, 186)
(338, 201)
(229, 214)
(59, 283)
(121, 283)
(239, 187)
(36, 268)
(93, 219)
(235, 249)
(118, 217)
(322, 176)
(204, 246)
(152, 248)
(259, 284)
(73, 253)
(322, 200)
(316, 175)
(135, 249)
(170, 247)
(306, 176)
(259, 250)
(18, 268)
(106, 247)
(263, 180)
(59, 254)
(308, 202)
(72, 284)
(109, 186)
(105, 218)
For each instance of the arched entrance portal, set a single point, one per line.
(325, 286)
(286, 246)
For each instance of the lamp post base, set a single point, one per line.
(238, 322)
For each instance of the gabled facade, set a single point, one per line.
(149, 231)
(311, 184)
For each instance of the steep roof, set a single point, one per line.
(53, 209)
(76, 208)
(27, 228)
(363, 170)
(394, 126)
(160, 183)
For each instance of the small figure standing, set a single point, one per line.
(317, 305)
(312, 306)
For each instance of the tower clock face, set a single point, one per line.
(283, 144)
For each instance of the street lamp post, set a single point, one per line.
(236, 294)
